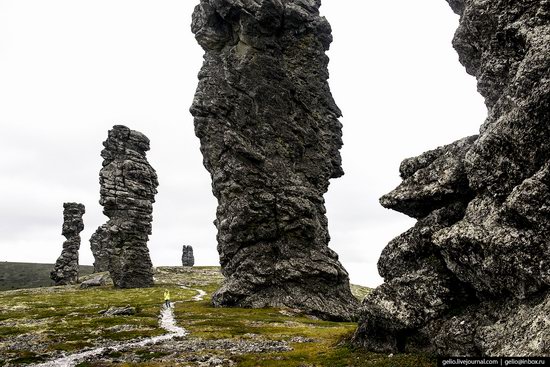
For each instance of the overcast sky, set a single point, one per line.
(71, 69)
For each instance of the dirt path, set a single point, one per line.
(167, 322)
(199, 296)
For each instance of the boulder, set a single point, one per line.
(119, 311)
(96, 281)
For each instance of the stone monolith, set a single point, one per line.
(187, 258)
(128, 187)
(270, 138)
(66, 267)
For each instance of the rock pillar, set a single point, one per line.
(66, 266)
(187, 258)
(128, 187)
(270, 138)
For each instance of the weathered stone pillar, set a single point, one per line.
(128, 188)
(187, 258)
(270, 138)
(100, 246)
(66, 266)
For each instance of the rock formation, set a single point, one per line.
(128, 188)
(472, 277)
(187, 258)
(119, 311)
(270, 138)
(66, 267)
(97, 281)
(99, 244)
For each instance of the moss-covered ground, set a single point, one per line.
(15, 275)
(42, 324)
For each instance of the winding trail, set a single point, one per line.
(198, 297)
(167, 321)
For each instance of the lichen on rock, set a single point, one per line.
(482, 205)
(128, 187)
(66, 267)
(270, 138)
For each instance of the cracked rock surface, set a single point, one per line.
(270, 138)
(472, 276)
(99, 244)
(66, 267)
(128, 187)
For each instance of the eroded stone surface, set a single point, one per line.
(187, 258)
(66, 267)
(270, 138)
(505, 327)
(128, 188)
(482, 205)
(97, 281)
(99, 244)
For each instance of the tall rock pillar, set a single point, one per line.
(66, 266)
(101, 249)
(128, 188)
(270, 138)
(187, 258)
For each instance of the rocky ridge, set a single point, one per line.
(66, 267)
(270, 138)
(472, 276)
(128, 188)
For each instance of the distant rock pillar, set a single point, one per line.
(187, 258)
(66, 267)
(99, 244)
(128, 188)
(270, 138)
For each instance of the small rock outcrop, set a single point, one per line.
(128, 188)
(66, 267)
(270, 138)
(119, 311)
(472, 277)
(187, 258)
(97, 281)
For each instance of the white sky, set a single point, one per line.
(71, 69)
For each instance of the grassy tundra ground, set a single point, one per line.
(42, 324)
(29, 275)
